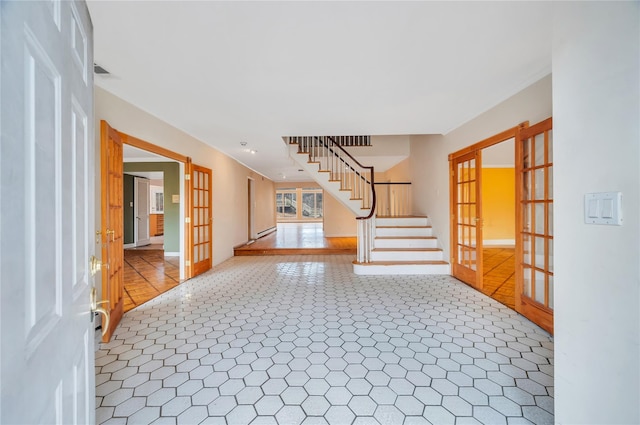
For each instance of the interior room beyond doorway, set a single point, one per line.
(151, 267)
(499, 222)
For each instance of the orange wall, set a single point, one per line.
(498, 203)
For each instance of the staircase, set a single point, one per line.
(386, 245)
(403, 245)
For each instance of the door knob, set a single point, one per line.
(95, 309)
(94, 265)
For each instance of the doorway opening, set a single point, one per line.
(152, 237)
(499, 222)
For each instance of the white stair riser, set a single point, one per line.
(406, 256)
(405, 243)
(402, 221)
(404, 231)
(396, 269)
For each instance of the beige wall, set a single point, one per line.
(230, 199)
(596, 104)
(400, 172)
(429, 162)
(338, 221)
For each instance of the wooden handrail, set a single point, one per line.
(334, 150)
(371, 183)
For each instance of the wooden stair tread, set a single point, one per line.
(403, 227)
(406, 237)
(402, 263)
(407, 249)
(402, 216)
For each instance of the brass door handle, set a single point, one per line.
(95, 265)
(111, 232)
(95, 309)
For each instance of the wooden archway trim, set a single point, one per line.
(490, 141)
(150, 147)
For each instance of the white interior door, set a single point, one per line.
(141, 222)
(46, 213)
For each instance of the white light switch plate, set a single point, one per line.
(603, 208)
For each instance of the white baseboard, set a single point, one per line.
(171, 254)
(499, 242)
(129, 245)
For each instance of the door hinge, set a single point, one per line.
(187, 263)
(187, 219)
(187, 176)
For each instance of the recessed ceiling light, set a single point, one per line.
(300, 169)
(243, 143)
(253, 151)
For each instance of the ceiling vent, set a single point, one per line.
(100, 70)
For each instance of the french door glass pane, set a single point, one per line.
(540, 285)
(526, 186)
(526, 249)
(551, 292)
(550, 254)
(540, 183)
(540, 253)
(527, 281)
(539, 209)
(539, 147)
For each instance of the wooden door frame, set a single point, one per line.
(186, 161)
(511, 133)
(250, 211)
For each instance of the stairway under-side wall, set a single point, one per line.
(395, 245)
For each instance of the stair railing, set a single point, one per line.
(393, 199)
(353, 177)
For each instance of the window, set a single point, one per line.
(311, 204)
(299, 204)
(286, 204)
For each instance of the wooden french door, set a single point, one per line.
(466, 225)
(201, 179)
(111, 231)
(534, 224)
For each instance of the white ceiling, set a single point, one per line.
(231, 72)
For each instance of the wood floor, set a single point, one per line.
(147, 274)
(298, 238)
(499, 275)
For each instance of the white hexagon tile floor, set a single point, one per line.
(302, 340)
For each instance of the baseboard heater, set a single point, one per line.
(266, 232)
